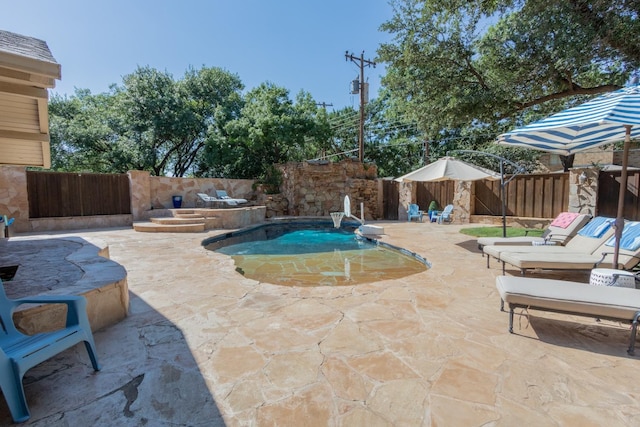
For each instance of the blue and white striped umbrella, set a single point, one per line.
(597, 122)
(609, 118)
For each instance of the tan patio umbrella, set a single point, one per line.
(449, 169)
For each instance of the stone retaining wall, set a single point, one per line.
(317, 189)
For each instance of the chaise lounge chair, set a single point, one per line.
(562, 229)
(628, 256)
(209, 200)
(602, 302)
(224, 197)
(20, 352)
(589, 238)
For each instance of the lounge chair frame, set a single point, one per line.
(540, 294)
(634, 321)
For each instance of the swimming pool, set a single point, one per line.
(314, 254)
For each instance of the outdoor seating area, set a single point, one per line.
(562, 229)
(446, 215)
(589, 240)
(244, 352)
(582, 256)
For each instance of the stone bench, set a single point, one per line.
(66, 265)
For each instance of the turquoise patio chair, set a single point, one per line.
(414, 212)
(445, 216)
(20, 352)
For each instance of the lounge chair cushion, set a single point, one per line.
(564, 219)
(596, 227)
(570, 297)
(551, 260)
(630, 238)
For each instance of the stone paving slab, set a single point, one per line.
(204, 346)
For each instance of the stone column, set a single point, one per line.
(140, 193)
(462, 202)
(407, 194)
(583, 190)
(14, 199)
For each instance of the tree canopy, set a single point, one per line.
(483, 67)
(152, 122)
(269, 129)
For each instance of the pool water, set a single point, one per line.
(314, 255)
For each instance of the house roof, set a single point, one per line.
(28, 54)
(29, 47)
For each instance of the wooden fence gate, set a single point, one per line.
(390, 199)
(57, 194)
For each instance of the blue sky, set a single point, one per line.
(297, 44)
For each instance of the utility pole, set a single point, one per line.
(323, 105)
(361, 62)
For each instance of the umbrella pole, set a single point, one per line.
(504, 202)
(621, 195)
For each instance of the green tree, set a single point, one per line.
(152, 122)
(170, 121)
(86, 133)
(270, 129)
(493, 65)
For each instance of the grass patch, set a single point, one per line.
(497, 232)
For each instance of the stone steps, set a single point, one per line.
(152, 227)
(179, 220)
(190, 213)
(194, 220)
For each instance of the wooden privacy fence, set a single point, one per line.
(609, 189)
(536, 196)
(56, 194)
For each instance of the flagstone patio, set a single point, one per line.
(204, 346)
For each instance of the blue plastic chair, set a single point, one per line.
(445, 216)
(414, 212)
(20, 352)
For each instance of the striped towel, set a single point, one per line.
(596, 227)
(565, 219)
(630, 239)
